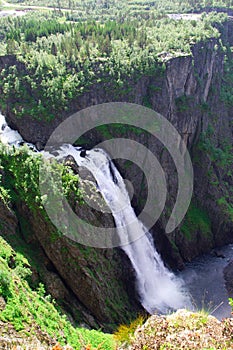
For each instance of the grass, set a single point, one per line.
(125, 332)
(29, 310)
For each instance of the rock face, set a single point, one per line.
(89, 283)
(8, 220)
(181, 80)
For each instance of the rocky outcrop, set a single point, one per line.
(182, 329)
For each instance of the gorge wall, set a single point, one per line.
(97, 284)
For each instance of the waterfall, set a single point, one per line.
(158, 288)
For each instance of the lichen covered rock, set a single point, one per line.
(183, 330)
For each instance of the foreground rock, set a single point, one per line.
(183, 330)
(11, 339)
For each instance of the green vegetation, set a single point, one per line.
(33, 309)
(132, 6)
(227, 207)
(227, 87)
(20, 188)
(53, 58)
(196, 220)
(125, 333)
(21, 181)
(231, 303)
(58, 60)
(4, 193)
(220, 155)
(182, 103)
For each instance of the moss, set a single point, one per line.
(196, 220)
(128, 164)
(204, 107)
(220, 155)
(154, 88)
(183, 103)
(104, 131)
(115, 130)
(227, 207)
(147, 102)
(226, 93)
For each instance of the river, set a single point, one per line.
(205, 281)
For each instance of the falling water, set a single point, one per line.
(158, 288)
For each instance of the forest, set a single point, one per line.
(92, 6)
(62, 58)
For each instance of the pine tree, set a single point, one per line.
(54, 49)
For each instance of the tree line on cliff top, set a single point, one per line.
(62, 58)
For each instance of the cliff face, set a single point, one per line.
(90, 284)
(187, 78)
(187, 93)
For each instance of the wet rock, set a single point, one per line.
(228, 276)
(39, 146)
(218, 253)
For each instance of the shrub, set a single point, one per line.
(5, 281)
(125, 333)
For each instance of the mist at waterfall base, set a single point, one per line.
(158, 288)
